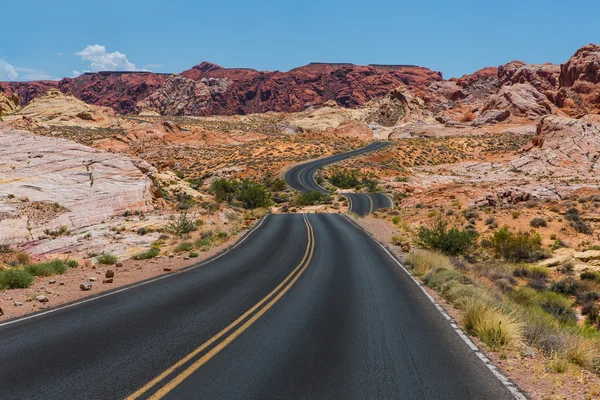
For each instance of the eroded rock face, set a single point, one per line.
(521, 99)
(8, 104)
(227, 91)
(398, 107)
(27, 91)
(543, 77)
(117, 90)
(580, 81)
(87, 184)
(564, 145)
(183, 96)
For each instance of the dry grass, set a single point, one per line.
(495, 328)
(423, 262)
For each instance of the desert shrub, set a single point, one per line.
(203, 242)
(515, 214)
(311, 198)
(72, 263)
(15, 278)
(182, 225)
(276, 185)
(22, 258)
(344, 179)
(184, 246)
(557, 365)
(538, 222)
(252, 195)
(557, 305)
(49, 268)
(423, 262)
(107, 259)
(520, 246)
(531, 271)
(148, 254)
(490, 220)
(495, 328)
(470, 213)
(540, 330)
(193, 254)
(224, 189)
(567, 287)
(195, 183)
(575, 221)
(396, 219)
(451, 241)
(590, 276)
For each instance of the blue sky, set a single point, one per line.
(53, 39)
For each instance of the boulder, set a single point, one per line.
(85, 286)
(580, 82)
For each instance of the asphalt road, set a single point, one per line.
(306, 307)
(301, 177)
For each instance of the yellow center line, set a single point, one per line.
(300, 178)
(305, 260)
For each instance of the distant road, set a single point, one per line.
(301, 177)
(306, 307)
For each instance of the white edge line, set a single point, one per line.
(137, 284)
(512, 388)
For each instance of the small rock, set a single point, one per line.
(18, 304)
(109, 273)
(118, 265)
(167, 269)
(61, 284)
(93, 279)
(108, 280)
(186, 258)
(86, 286)
(1, 312)
(52, 281)
(42, 298)
(171, 255)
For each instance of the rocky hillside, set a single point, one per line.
(516, 89)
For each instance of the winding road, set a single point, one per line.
(301, 177)
(303, 307)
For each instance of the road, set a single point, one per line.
(306, 307)
(301, 177)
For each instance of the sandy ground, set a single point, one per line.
(528, 372)
(61, 289)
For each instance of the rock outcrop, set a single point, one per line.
(522, 100)
(56, 108)
(580, 82)
(564, 145)
(543, 77)
(8, 104)
(85, 185)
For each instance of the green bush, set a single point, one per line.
(184, 246)
(203, 242)
(252, 195)
(182, 225)
(148, 254)
(15, 278)
(311, 198)
(224, 189)
(520, 246)
(72, 263)
(344, 179)
(451, 241)
(193, 254)
(50, 268)
(107, 259)
(557, 305)
(590, 276)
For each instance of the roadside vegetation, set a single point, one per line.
(494, 269)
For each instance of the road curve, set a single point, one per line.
(301, 177)
(307, 307)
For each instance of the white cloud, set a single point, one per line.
(7, 71)
(59, 54)
(101, 60)
(75, 74)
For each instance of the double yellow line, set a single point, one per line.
(223, 338)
